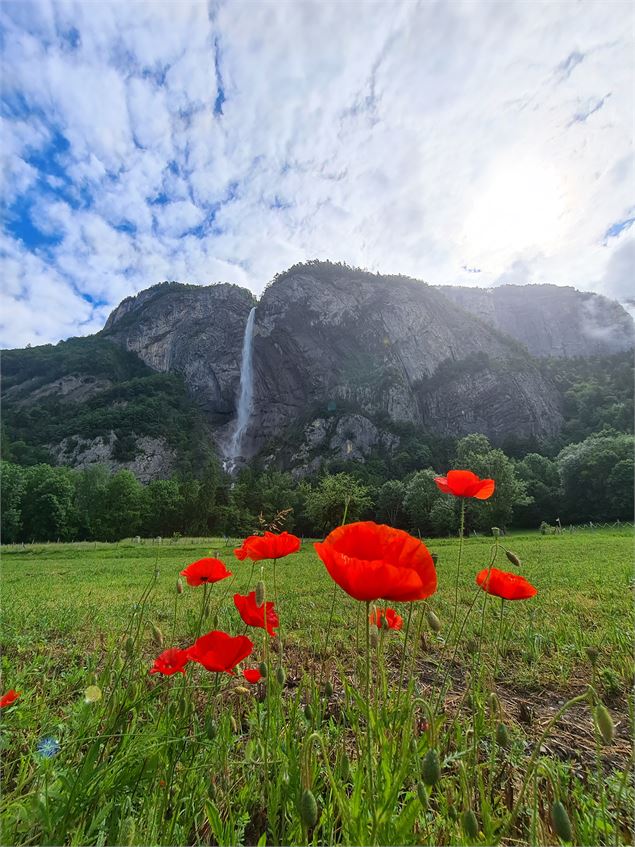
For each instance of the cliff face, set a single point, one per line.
(550, 320)
(194, 331)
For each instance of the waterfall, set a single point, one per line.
(246, 393)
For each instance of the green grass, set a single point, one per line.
(189, 764)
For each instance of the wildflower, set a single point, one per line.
(387, 618)
(263, 615)
(252, 675)
(465, 484)
(509, 586)
(48, 747)
(9, 698)
(267, 546)
(219, 652)
(92, 694)
(371, 561)
(171, 661)
(205, 571)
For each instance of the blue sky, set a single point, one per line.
(470, 143)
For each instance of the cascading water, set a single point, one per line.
(246, 393)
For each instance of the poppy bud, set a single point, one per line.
(129, 645)
(496, 531)
(127, 832)
(179, 586)
(470, 825)
(240, 689)
(560, 821)
(374, 637)
(328, 688)
(260, 593)
(157, 635)
(413, 746)
(308, 712)
(435, 558)
(592, 654)
(471, 645)
(493, 703)
(210, 728)
(346, 768)
(604, 723)
(422, 794)
(513, 558)
(502, 736)
(233, 724)
(281, 675)
(431, 768)
(308, 809)
(433, 621)
(262, 667)
(452, 812)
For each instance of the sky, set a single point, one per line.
(467, 143)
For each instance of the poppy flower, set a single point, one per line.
(509, 586)
(219, 652)
(370, 561)
(170, 661)
(252, 675)
(465, 484)
(9, 698)
(267, 546)
(254, 614)
(385, 617)
(205, 571)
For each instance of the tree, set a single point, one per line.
(443, 518)
(474, 453)
(421, 494)
(91, 502)
(542, 480)
(334, 497)
(390, 502)
(123, 501)
(162, 507)
(48, 505)
(12, 487)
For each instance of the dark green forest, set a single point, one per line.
(586, 474)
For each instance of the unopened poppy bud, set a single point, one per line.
(210, 728)
(513, 558)
(328, 688)
(240, 689)
(129, 645)
(592, 654)
(157, 635)
(452, 812)
(560, 821)
(471, 645)
(281, 675)
(346, 768)
(262, 667)
(470, 825)
(433, 621)
(127, 832)
(431, 768)
(233, 724)
(308, 809)
(413, 745)
(435, 558)
(260, 593)
(308, 712)
(374, 636)
(496, 531)
(604, 723)
(422, 794)
(502, 736)
(493, 703)
(179, 586)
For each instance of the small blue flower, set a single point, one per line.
(48, 747)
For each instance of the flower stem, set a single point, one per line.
(499, 639)
(369, 748)
(458, 569)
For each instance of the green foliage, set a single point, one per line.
(334, 497)
(390, 502)
(542, 480)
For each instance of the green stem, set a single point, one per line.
(456, 648)
(369, 743)
(403, 663)
(499, 639)
(458, 568)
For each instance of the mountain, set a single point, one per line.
(345, 363)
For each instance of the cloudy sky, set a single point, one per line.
(468, 143)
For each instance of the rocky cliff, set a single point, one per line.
(342, 360)
(550, 320)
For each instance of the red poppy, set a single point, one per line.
(170, 661)
(217, 651)
(267, 546)
(465, 484)
(370, 561)
(9, 698)
(509, 586)
(205, 571)
(252, 675)
(254, 615)
(386, 617)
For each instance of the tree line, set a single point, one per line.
(590, 480)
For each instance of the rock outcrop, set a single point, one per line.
(550, 320)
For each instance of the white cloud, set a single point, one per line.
(416, 138)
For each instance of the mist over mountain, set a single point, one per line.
(345, 363)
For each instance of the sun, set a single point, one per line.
(518, 206)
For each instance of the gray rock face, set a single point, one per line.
(550, 320)
(155, 458)
(193, 330)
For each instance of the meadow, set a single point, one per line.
(464, 739)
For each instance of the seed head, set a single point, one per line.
(308, 809)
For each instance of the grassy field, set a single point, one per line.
(66, 612)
